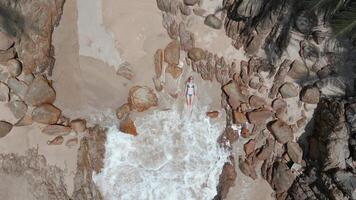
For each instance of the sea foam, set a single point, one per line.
(173, 157)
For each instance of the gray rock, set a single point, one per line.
(213, 21)
(19, 88)
(281, 131)
(18, 108)
(46, 114)
(190, 2)
(14, 67)
(295, 152)
(310, 94)
(5, 41)
(319, 36)
(196, 54)
(5, 128)
(305, 22)
(125, 70)
(288, 90)
(4, 92)
(298, 70)
(39, 92)
(7, 55)
(347, 182)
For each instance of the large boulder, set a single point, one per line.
(172, 53)
(289, 90)
(46, 114)
(174, 71)
(40, 92)
(298, 70)
(310, 94)
(281, 131)
(196, 54)
(213, 21)
(142, 98)
(18, 108)
(5, 128)
(78, 125)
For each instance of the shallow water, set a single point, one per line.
(175, 156)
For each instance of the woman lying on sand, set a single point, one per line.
(190, 92)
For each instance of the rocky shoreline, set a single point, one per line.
(295, 103)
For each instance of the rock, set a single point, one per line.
(72, 142)
(4, 92)
(324, 72)
(158, 61)
(187, 40)
(158, 84)
(164, 5)
(46, 114)
(255, 82)
(281, 131)
(213, 114)
(56, 141)
(199, 11)
(14, 67)
(5, 128)
(18, 108)
(172, 53)
(27, 78)
(298, 70)
(174, 71)
(230, 135)
(196, 54)
(25, 121)
(19, 88)
(310, 94)
(142, 98)
(213, 21)
(256, 101)
(279, 78)
(184, 9)
(309, 52)
(235, 93)
(266, 150)
(259, 116)
(125, 71)
(56, 130)
(190, 2)
(123, 110)
(128, 126)
(247, 168)
(305, 21)
(249, 147)
(78, 125)
(319, 36)
(282, 178)
(239, 117)
(288, 90)
(278, 104)
(295, 152)
(254, 45)
(5, 41)
(226, 180)
(39, 92)
(245, 133)
(7, 55)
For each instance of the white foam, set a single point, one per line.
(94, 39)
(173, 157)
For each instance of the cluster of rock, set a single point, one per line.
(331, 156)
(140, 99)
(30, 24)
